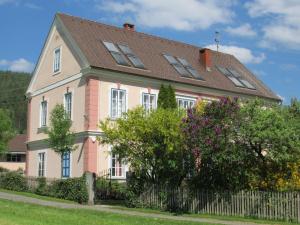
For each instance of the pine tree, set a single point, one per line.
(162, 95)
(166, 98)
(171, 98)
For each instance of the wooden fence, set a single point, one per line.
(263, 205)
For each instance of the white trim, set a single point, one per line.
(60, 60)
(47, 113)
(123, 165)
(45, 162)
(71, 90)
(56, 85)
(115, 86)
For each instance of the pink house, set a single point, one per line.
(99, 71)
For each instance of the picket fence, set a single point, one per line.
(283, 206)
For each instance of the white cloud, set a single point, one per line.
(19, 65)
(244, 30)
(2, 2)
(174, 14)
(284, 21)
(245, 55)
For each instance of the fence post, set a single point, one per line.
(90, 180)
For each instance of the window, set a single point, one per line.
(43, 114)
(189, 68)
(236, 78)
(180, 69)
(68, 104)
(13, 157)
(57, 60)
(65, 164)
(185, 103)
(41, 165)
(149, 101)
(118, 103)
(117, 167)
(131, 56)
(116, 54)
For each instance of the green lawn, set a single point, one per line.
(15, 213)
(32, 195)
(225, 218)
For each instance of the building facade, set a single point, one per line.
(99, 71)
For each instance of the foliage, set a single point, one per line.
(71, 189)
(61, 139)
(42, 186)
(261, 141)
(110, 189)
(166, 98)
(213, 155)
(2, 169)
(13, 87)
(150, 143)
(6, 130)
(13, 181)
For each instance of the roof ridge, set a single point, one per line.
(138, 32)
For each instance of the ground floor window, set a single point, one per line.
(65, 164)
(117, 167)
(41, 164)
(185, 103)
(14, 157)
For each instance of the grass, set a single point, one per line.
(225, 218)
(32, 195)
(15, 213)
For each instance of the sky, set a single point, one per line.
(263, 34)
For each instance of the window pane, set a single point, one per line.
(236, 81)
(110, 46)
(120, 59)
(183, 62)
(125, 49)
(247, 84)
(171, 59)
(181, 70)
(136, 62)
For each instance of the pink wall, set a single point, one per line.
(28, 134)
(91, 121)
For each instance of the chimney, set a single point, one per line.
(205, 58)
(128, 26)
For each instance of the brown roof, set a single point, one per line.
(18, 143)
(89, 34)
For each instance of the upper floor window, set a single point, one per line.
(149, 101)
(65, 164)
(118, 103)
(43, 113)
(116, 54)
(68, 104)
(185, 103)
(57, 60)
(41, 164)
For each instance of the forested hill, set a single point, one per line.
(13, 86)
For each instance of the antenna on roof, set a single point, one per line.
(217, 39)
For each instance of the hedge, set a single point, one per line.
(13, 181)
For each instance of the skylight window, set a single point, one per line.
(136, 62)
(189, 68)
(236, 78)
(179, 67)
(116, 54)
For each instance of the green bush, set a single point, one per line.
(2, 169)
(13, 181)
(110, 190)
(42, 188)
(73, 189)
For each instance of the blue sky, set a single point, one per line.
(263, 34)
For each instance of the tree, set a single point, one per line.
(61, 139)
(150, 142)
(166, 98)
(6, 130)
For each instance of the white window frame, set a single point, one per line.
(149, 106)
(190, 101)
(65, 103)
(124, 166)
(54, 60)
(118, 112)
(42, 115)
(44, 163)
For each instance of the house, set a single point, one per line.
(15, 157)
(99, 71)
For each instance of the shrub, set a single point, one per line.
(2, 169)
(71, 189)
(13, 181)
(112, 190)
(42, 186)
